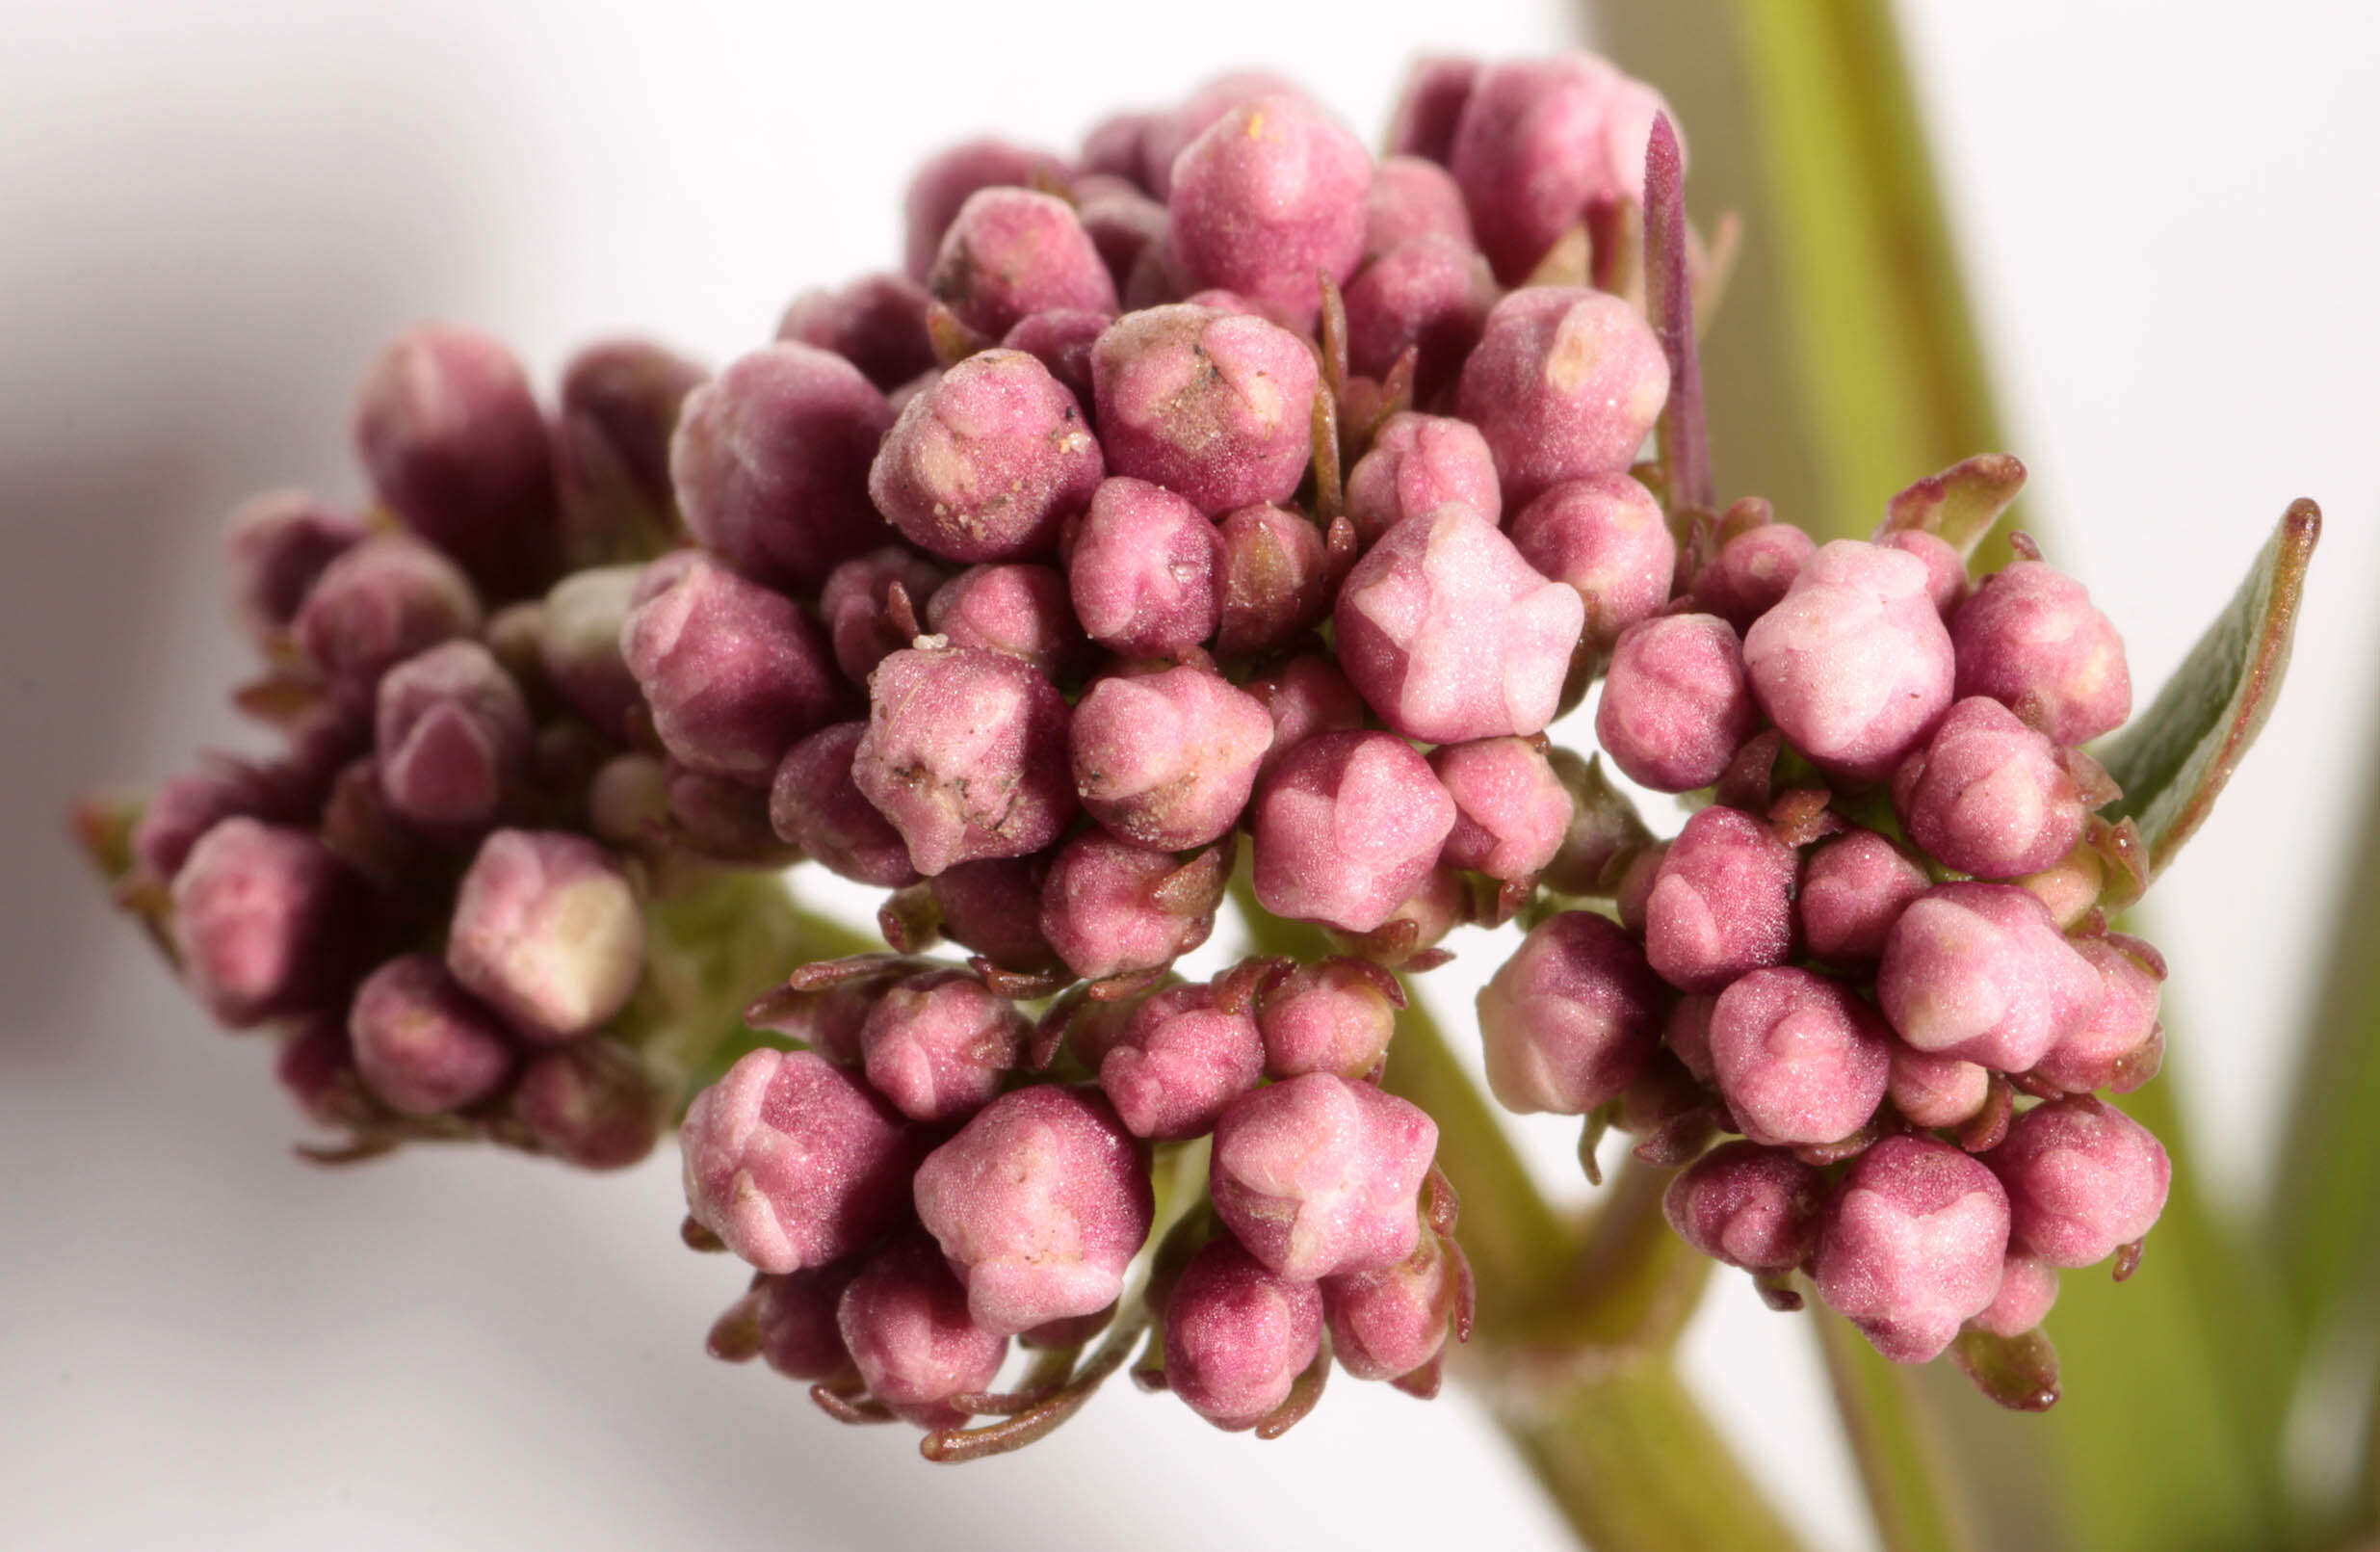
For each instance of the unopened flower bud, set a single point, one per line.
(1853, 664)
(814, 805)
(1945, 569)
(1565, 384)
(1412, 197)
(1721, 904)
(1911, 1246)
(452, 735)
(1604, 830)
(1676, 704)
(2123, 1024)
(1335, 1016)
(1387, 1323)
(1752, 572)
(1432, 294)
(1060, 339)
(1450, 635)
(792, 1320)
(994, 908)
(1237, 1335)
(1274, 580)
(1416, 464)
(1268, 196)
(1800, 1059)
(1605, 536)
(988, 462)
(794, 1162)
(1179, 1061)
(1430, 106)
(592, 1104)
(579, 645)
(828, 1014)
(943, 185)
(2031, 637)
(185, 807)
(547, 932)
(965, 753)
(1345, 826)
(1011, 252)
(1852, 890)
(423, 1044)
(906, 1323)
(2083, 1179)
(1570, 1020)
(2028, 1289)
(733, 673)
(620, 403)
(1022, 610)
(1319, 1176)
(1512, 811)
(1987, 794)
(1144, 570)
(724, 821)
(1039, 1204)
(1979, 971)
(266, 919)
(877, 323)
(937, 1046)
(275, 546)
(1305, 695)
(382, 601)
(1167, 759)
(1106, 908)
(1215, 406)
(1745, 1206)
(1124, 223)
(853, 603)
(1936, 1091)
(1540, 141)
(770, 463)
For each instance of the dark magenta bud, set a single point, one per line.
(266, 921)
(1419, 464)
(943, 185)
(994, 908)
(1167, 759)
(792, 1319)
(1305, 695)
(1124, 223)
(1911, 1246)
(853, 604)
(1061, 339)
(906, 1323)
(1511, 812)
(1752, 572)
(1604, 830)
(592, 1104)
(770, 463)
(1275, 575)
(1565, 384)
(382, 601)
(1319, 1176)
(1450, 635)
(1721, 903)
(275, 546)
(988, 462)
(1215, 406)
(1179, 1061)
(1039, 1204)
(1345, 826)
(1605, 536)
(877, 323)
(1853, 664)
(1800, 1059)
(1238, 1336)
(2084, 1180)
(1388, 1323)
(1430, 294)
(816, 805)
(1853, 891)
(1988, 795)
(185, 807)
(1335, 1016)
(1979, 971)
(620, 403)
(1676, 704)
(965, 753)
(938, 1044)
(423, 1044)
(1570, 1020)
(732, 672)
(547, 932)
(1144, 570)
(1012, 252)
(1106, 910)
(827, 1012)
(1745, 1206)
(1111, 148)
(452, 737)
(794, 1162)
(2106, 1052)
(2030, 638)
(1021, 609)
(723, 819)
(1265, 198)
(1431, 106)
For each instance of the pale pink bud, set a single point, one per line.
(1268, 197)
(547, 932)
(877, 323)
(1911, 1246)
(1853, 664)
(266, 921)
(1605, 536)
(2123, 1025)
(1020, 609)
(1570, 1020)
(592, 1104)
(1170, 133)
(275, 546)
(1565, 384)
(965, 753)
(2084, 1180)
(1011, 252)
(1416, 464)
(1721, 904)
(2030, 638)
(1752, 572)
(1237, 1335)
(1936, 1091)
(943, 185)
(2028, 1289)
(1853, 891)
(1167, 759)
(1179, 1060)
(1800, 1059)
(1988, 795)
(906, 1323)
(816, 805)
(1676, 706)
(1345, 826)
(1511, 812)
(1318, 1175)
(1215, 406)
(1275, 581)
(1745, 1206)
(422, 1042)
(1978, 971)
(733, 673)
(1387, 1323)
(1542, 141)
(1143, 571)
(1430, 106)
(988, 462)
(1105, 911)
(579, 645)
(1945, 569)
(938, 1044)
(452, 736)
(382, 601)
(1412, 197)
(853, 605)
(1335, 1016)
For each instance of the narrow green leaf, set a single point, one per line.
(1919, 1502)
(2174, 760)
(1959, 505)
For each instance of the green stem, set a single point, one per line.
(1919, 1503)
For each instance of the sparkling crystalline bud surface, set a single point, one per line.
(988, 461)
(1345, 826)
(1911, 1246)
(1675, 706)
(1570, 1019)
(965, 753)
(1319, 1176)
(1565, 383)
(1853, 664)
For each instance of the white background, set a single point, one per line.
(210, 213)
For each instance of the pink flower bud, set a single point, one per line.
(1335, 1016)
(547, 932)
(1267, 197)
(1178, 1062)
(1748, 1206)
(1060, 339)
(382, 601)
(1215, 406)
(1800, 1059)
(275, 546)
(1412, 197)
(1721, 904)
(451, 732)
(1687, 1035)
(1021, 609)
(1430, 106)
(770, 463)
(724, 821)
(1124, 223)
(853, 602)
(1571, 1018)
(454, 442)
(2031, 637)
(793, 1316)
(185, 807)
(1987, 794)
(994, 908)
(1238, 1336)
(1274, 580)
(620, 404)
(988, 462)
(1167, 759)
(965, 753)
(1752, 572)
(1945, 569)
(1319, 1176)
(2084, 1180)
(1853, 891)
(1011, 252)
(592, 1104)
(1144, 570)
(2123, 1024)
(1540, 141)
(1419, 464)
(938, 1044)
(266, 921)
(2028, 1288)
(1978, 971)
(1936, 1091)
(733, 673)
(1911, 1246)
(1676, 706)
(1170, 133)
(1511, 812)
(1105, 911)
(422, 1043)
(1387, 1323)
(1450, 635)
(579, 646)
(942, 187)
(877, 323)
(816, 805)
(1111, 148)
(904, 1322)
(828, 1018)
(1853, 664)
(1345, 826)
(1432, 294)
(794, 1162)
(1605, 536)
(1604, 830)
(1305, 695)
(1039, 1204)
(1565, 384)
